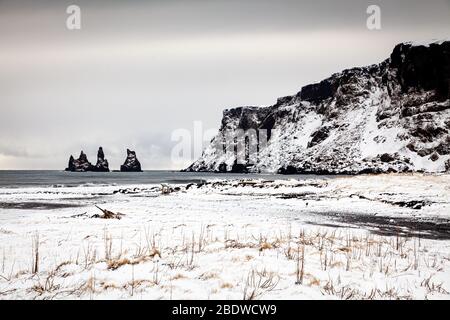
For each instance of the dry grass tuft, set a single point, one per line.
(154, 252)
(47, 286)
(178, 276)
(35, 254)
(115, 264)
(265, 246)
(258, 283)
(314, 282)
(249, 257)
(432, 287)
(109, 285)
(208, 275)
(226, 285)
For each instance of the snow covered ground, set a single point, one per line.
(362, 237)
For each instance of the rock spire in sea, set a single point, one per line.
(131, 163)
(82, 164)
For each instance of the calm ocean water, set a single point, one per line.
(30, 178)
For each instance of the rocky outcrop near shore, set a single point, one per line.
(102, 163)
(131, 163)
(389, 117)
(82, 164)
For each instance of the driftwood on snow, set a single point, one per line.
(107, 214)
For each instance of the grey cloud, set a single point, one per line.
(11, 151)
(140, 69)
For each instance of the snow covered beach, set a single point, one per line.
(361, 237)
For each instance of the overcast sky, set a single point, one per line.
(137, 70)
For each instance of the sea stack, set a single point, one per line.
(81, 164)
(102, 164)
(131, 163)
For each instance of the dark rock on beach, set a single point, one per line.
(131, 163)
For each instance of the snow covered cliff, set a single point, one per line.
(389, 117)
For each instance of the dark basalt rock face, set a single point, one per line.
(71, 165)
(287, 170)
(102, 164)
(222, 167)
(423, 68)
(81, 164)
(239, 168)
(385, 157)
(389, 117)
(318, 136)
(131, 163)
(319, 91)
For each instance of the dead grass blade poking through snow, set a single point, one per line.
(258, 283)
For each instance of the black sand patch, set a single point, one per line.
(427, 228)
(37, 205)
